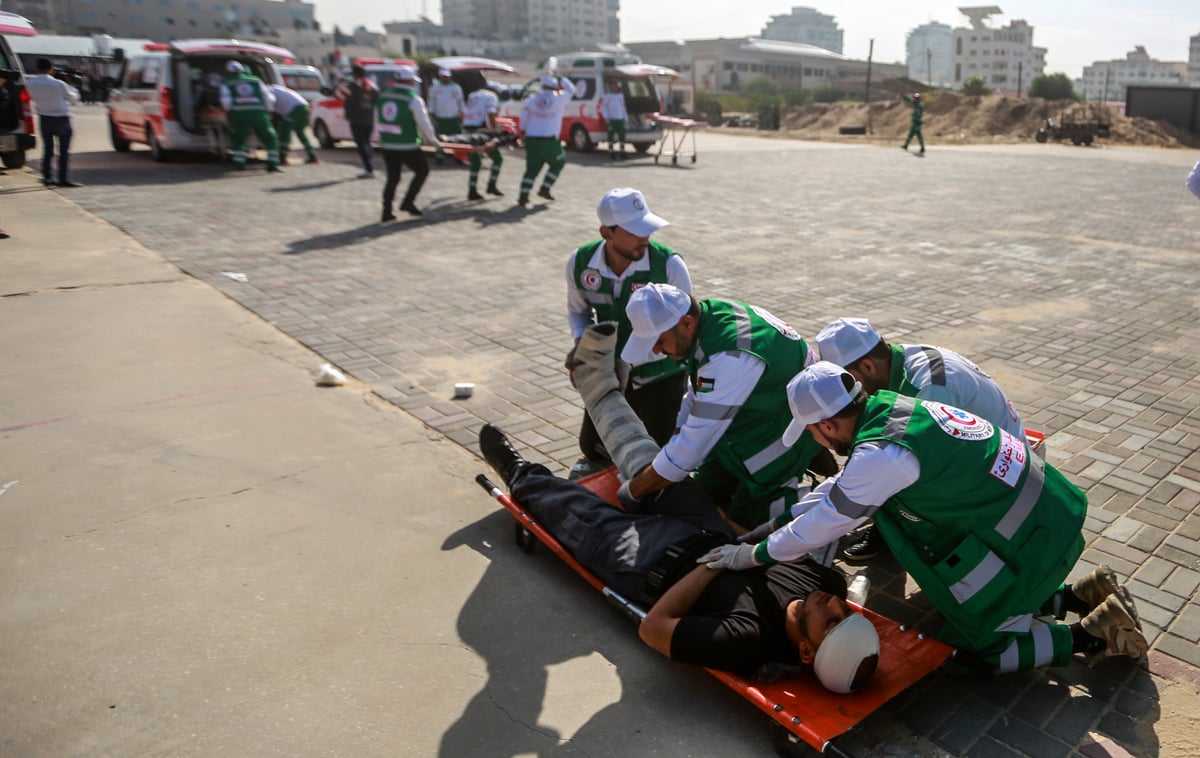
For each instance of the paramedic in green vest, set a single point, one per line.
(986, 529)
(921, 371)
(402, 122)
(248, 103)
(601, 276)
(918, 114)
(739, 360)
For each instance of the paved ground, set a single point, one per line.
(1070, 274)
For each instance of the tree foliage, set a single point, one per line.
(974, 86)
(1052, 87)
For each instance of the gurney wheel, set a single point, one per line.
(656, 160)
(674, 160)
(524, 538)
(693, 159)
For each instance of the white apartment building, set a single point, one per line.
(806, 26)
(1105, 81)
(1004, 58)
(930, 54)
(554, 24)
(1193, 65)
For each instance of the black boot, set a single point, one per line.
(499, 453)
(870, 545)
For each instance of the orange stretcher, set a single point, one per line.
(677, 130)
(796, 702)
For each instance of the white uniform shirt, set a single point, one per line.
(542, 112)
(445, 100)
(876, 471)
(1193, 180)
(51, 97)
(579, 311)
(286, 100)
(965, 386)
(267, 94)
(480, 103)
(612, 106)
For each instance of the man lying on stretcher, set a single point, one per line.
(734, 621)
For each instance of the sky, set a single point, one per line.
(1076, 32)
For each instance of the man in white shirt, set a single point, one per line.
(1193, 180)
(292, 110)
(52, 99)
(479, 116)
(446, 105)
(541, 125)
(612, 108)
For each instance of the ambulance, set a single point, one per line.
(590, 72)
(329, 123)
(168, 96)
(16, 114)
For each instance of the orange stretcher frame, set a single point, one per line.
(798, 702)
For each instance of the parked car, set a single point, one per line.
(16, 108)
(329, 119)
(583, 126)
(168, 95)
(307, 81)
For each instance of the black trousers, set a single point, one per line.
(657, 405)
(621, 548)
(394, 160)
(56, 128)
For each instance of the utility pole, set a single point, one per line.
(870, 53)
(1104, 96)
(1020, 76)
(928, 67)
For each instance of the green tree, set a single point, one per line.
(825, 94)
(708, 104)
(797, 97)
(762, 90)
(1052, 87)
(974, 86)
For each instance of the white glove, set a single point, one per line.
(733, 557)
(626, 499)
(758, 533)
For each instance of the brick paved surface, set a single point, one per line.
(1069, 274)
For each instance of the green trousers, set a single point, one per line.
(542, 151)
(475, 162)
(241, 123)
(914, 131)
(616, 132)
(296, 121)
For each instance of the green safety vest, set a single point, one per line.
(988, 531)
(898, 381)
(247, 93)
(752, 447)
(598, 291)
(394, 118)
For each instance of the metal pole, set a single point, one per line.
(867, 97)
(1020, 76)
(928, 67)
(1104, 95)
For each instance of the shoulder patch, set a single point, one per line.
(1010, 459)
(705, 384)
(591, 280)
(958, 423)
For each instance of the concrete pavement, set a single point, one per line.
(1064, 272)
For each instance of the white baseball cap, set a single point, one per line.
(846, 340)
(406, 74)
(550, 81)
(843, 651)
(652, 310)
(817, 393)
(443, 72)
(626, 207)
(234, 67)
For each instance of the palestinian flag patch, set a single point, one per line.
(705, 384)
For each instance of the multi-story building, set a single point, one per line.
(1004, 58)
(168, 19)
(724, 65)
(1105, 81)
(554, 24)
(930, 55)
(1194, 61)
(806, 26)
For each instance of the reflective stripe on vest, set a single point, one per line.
(847, 507)
(766, 456)
(714, 411)
(937, 365)
(742, 318)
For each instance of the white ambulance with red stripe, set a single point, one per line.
(583, 126)
(16, 116)
(169, 93)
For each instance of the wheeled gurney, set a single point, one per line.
(677, 130)
(797, 702)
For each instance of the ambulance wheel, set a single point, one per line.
(642, 147)
(321, 132)
(674, 160)
(581, 141)
(524, 538)
(157, 152)
(693, 159)
(120, 145)
(13, 158)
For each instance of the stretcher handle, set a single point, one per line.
(625, 605)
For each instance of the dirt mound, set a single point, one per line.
(966, 119)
